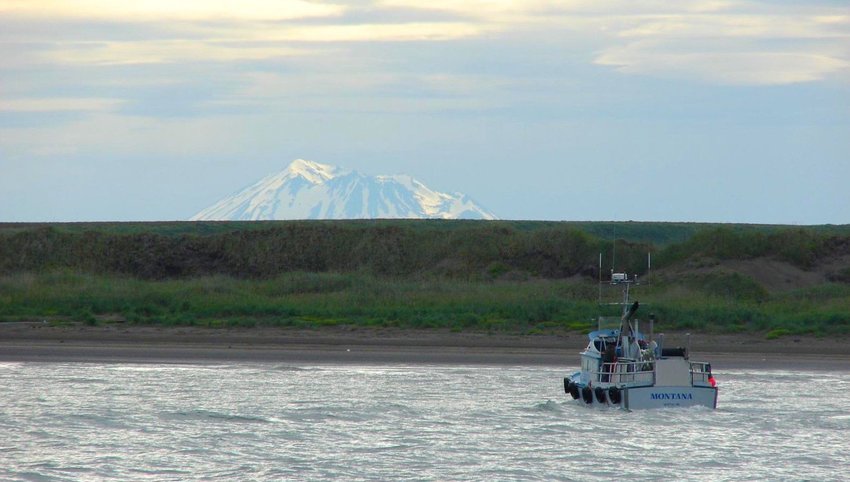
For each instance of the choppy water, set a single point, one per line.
(247, 422)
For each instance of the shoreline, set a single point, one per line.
(122, 343)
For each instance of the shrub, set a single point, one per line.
(777, 333)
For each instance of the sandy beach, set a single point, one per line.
(37, 341)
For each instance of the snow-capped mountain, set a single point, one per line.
(309, 190)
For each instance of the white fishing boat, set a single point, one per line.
(621, 367)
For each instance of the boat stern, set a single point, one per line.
(668, 397)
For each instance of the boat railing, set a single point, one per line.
(700, 373)
(626, 373)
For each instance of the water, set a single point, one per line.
(282, 422)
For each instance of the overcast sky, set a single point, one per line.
(711, 110)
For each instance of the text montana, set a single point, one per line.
(672, 396)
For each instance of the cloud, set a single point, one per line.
(24, 113)
(722, 42)
(111, 33)
(76, 104)
(74, 43)
(470, 8)
(122, 135)
(394, 32)
(192, 10)
(722, 64)
(163, 51)
(715, 41)
(373, 92)
(743, 44)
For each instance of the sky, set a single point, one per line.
(704, 111)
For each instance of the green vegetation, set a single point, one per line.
(298, 299)
(321, 299)
(462, 275)
(822, 310)
(801, 247)
(468, 250)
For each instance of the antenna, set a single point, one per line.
(649, 268)
(600, 278)
(614, 254)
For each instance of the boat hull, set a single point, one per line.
(639, 398)
(646, 397)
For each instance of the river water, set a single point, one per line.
(77, 421)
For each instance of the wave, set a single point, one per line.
(206, 415)
(548, 406)
(291, 368)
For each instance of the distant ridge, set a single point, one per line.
(310, 190)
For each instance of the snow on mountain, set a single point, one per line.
(309, 190)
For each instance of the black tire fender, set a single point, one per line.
(587, 394)
(574, 391)
(600, 395)
(614, 395)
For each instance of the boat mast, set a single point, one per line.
(627, 336)
(600, 278)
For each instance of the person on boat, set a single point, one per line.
(609, 357)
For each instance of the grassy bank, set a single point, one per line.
(408, 249)
(515, 276)
(321, 299)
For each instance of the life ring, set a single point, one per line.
(614, 395)
(600, 394)
(587, 394)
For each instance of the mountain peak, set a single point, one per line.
(312, 171)
(311, 190)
